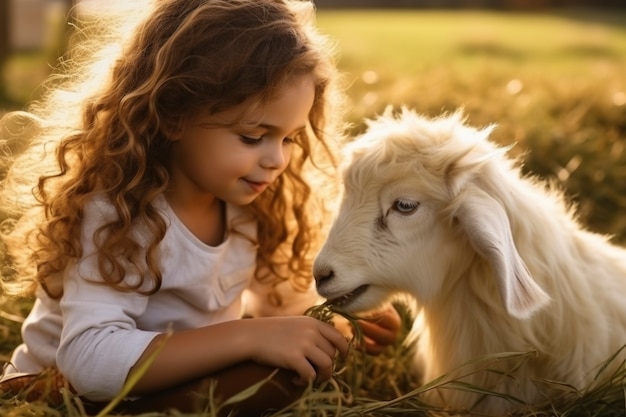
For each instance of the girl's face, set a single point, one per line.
(222, 156)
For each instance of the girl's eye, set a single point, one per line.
(250, 140)
(405, 206)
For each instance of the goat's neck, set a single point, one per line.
(466, 320)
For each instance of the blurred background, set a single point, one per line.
(550, 73)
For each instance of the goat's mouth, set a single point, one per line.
(348, 298)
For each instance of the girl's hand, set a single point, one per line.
(381, 329)
(302, 344)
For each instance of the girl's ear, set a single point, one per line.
(173, 129)
(487, 227)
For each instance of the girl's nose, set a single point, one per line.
(275, 155)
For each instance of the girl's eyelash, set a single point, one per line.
(250, 140)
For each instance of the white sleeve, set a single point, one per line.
(100, 341)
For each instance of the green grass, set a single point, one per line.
(404, 42)
(23, 72)
(410, 50)
(555, 83)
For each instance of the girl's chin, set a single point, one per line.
(242, 200)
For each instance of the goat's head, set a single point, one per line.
(415, 212)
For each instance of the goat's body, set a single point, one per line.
(573, 335)
(479, 294)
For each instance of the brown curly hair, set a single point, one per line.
(183, 57)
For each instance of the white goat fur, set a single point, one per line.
(495, 260)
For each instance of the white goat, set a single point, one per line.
(495, 260)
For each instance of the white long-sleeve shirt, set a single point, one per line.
(94, 334)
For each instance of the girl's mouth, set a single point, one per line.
(257, 187)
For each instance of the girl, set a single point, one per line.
(181, 200)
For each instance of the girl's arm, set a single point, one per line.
(101, 343)
(301, 344)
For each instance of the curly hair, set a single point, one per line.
(183, 57)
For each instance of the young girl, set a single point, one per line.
(181, 200)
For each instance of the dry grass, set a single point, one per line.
(381, 386)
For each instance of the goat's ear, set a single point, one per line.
(462, 169)
(487, 227)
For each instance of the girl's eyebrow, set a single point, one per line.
(272, 127)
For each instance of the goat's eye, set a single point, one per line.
(404, 206)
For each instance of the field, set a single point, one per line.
(555, 84)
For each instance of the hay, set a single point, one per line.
(364, 385)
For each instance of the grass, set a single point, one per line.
(381, 386)
(23, 72)
(555, 84)
(402, 56)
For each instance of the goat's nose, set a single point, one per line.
(323, 275)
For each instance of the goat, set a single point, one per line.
(496, 260)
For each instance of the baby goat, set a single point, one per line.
(496, 260)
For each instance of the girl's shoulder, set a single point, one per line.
(99, 206)
(98, 211)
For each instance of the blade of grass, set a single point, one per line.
(133, 378)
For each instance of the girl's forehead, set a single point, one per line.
(244, 114)
(255, 111)
(290, 109)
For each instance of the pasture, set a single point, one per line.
(553, 82)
